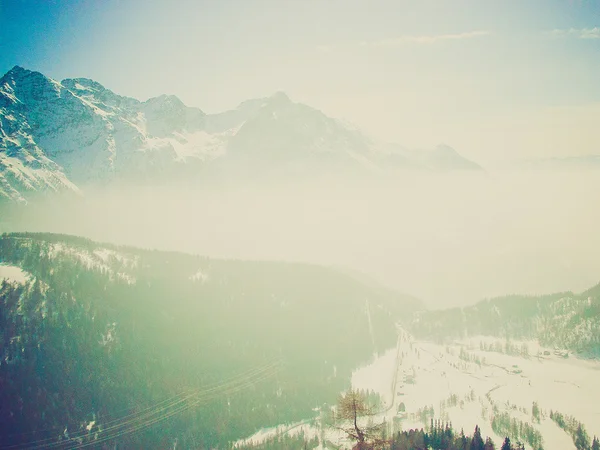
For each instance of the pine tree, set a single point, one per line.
(477, 442)
(596, 444)
(506, 444)
(448, 433)
(582, 441)
(535, 412)
(489, 444)
(463, 441)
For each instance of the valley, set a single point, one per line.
(420, 381)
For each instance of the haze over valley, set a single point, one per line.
(257, 183)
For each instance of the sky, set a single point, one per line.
(498, 80)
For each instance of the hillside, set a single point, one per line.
(565, 320)
(141, 348)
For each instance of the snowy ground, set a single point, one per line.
(13, 273)
(377, 376)
(425, 375)
(512, 383)
(311, 429)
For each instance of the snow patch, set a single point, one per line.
(200, 276)
(104, 260)
(377, 376)
(13, 273)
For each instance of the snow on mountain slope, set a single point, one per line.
(443, 157)
(22, 173)
(79, 130)
(13, 274)
(24, 167)
(282, 131)
(56, 135)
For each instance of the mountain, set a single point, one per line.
(109, 346)
(565, 320)
(66, 135)
(443, 157)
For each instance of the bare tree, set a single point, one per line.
(353, 408)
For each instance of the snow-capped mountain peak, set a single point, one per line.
(55, 135)
(279, 98)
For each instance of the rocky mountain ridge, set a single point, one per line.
(57, 136)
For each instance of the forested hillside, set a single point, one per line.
(565, 320)
(147, 349)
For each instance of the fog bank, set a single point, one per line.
(448, 239)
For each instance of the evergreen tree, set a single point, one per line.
(535, 412)
(489, 444)
(596, 444)
(463, 441)
(477, 441)
(582, 441)
(506, 444)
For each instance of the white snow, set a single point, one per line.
(377, 376)
(92, 106)
(565, 385)
(200, 276)
(511, 383)
(81, 87)
(265, 433)
(104, 254)
(107, 255)
(111, 262)
(13, 169)
(200, 145)
(13, 273)
(9, 92)
(310, 428)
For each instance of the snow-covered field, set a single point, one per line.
(310, 428)
(463, 384)
(479, 379)
(378, 376)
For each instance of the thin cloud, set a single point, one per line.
(325, 48)
(426, 39)
(407, 40)
(579, 33)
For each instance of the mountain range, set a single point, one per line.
(63, 136)
(564, 320)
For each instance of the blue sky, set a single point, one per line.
(497, 80)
